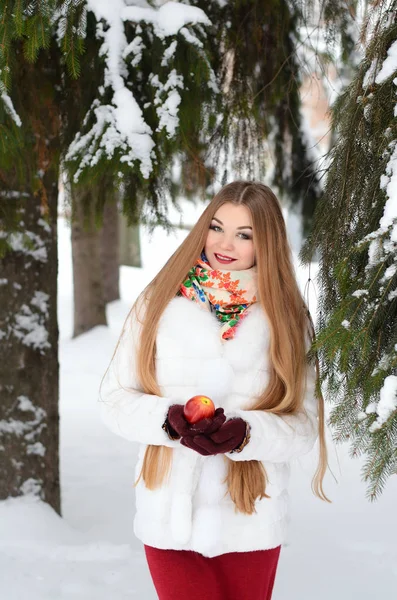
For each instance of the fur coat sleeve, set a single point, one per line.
(281, 438)
(124, 407)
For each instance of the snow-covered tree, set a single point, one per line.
(149, 81)
(156, 80)
(355, 232)
(42, 44)
(260, 132)
(31, 66)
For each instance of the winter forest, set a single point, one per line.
(119, 121)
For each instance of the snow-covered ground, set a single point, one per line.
(341, 551)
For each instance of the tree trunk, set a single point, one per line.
(110, 252)
(29, 369)
(130, 246)
(29, 364)
(88, 288)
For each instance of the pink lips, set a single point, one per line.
(221, 260)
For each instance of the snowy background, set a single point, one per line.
(345, 550)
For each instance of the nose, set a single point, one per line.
(227, 243)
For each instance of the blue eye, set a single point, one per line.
(244, 236)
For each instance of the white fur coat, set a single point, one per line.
(192, 510)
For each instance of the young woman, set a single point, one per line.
(223, 318)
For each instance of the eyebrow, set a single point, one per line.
(243, 227)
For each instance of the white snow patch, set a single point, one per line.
(169, 53)
(44, 225)
(371, 408)
(25, 404)
(37, 448)
(388, 274)
(389, 66)
(387, 403)
(27, 428)
(40, 300)
(31, 487)
(30, 328)
(35, 248)
(10, 109)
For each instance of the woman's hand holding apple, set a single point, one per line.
(197, 416)
(232, 436)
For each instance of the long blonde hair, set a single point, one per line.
(289, 321)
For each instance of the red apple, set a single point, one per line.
(197, 408)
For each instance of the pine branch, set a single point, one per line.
(357, 338)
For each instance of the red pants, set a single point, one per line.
(188, 575)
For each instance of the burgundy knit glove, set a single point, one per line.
(231, 436)
(177, 426)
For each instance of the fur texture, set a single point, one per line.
(193, 511)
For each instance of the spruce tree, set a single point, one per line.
(42, 43)
(259, 132)
(148, 79)
(31, 66)
(355, 234)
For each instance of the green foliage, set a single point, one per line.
(357, 309)
(28, 30)
(33, 23)
(37, 34)
(72, 31)
(253, 49)
(145, 198)
(337, 23)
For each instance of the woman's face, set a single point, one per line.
(230, 237)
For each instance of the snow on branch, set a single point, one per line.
(168, 19)
(383, 250)
(10, 109)
(119, 126)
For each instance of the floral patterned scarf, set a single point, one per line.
(228, 293)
